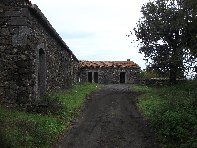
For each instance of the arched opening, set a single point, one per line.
(41, 73)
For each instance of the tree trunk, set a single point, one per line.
(173, 74)
(174, 66)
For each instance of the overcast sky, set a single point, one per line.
(96, 29)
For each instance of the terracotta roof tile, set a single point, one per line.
(108, 64)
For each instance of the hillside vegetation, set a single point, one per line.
(172, 112)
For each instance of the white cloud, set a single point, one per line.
(96, 29)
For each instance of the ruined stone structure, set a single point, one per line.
(34, 60)
(109, 72)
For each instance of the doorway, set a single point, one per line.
(95, 77)
(122, 77)
(90, 77)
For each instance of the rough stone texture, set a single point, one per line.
(109, 72)
(111, 75)
(34, 59)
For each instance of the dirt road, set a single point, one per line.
(110, 120)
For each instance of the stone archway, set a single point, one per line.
(41, 72)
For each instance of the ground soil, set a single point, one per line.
(110, 120)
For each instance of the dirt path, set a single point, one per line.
(111, 120)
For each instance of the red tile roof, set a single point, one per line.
(108, 64)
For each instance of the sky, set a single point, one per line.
(96, 29)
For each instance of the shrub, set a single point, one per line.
(172, 113)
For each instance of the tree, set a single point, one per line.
(190, 7)
(148, 73)
(167, 37)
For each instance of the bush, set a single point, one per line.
(172, 112)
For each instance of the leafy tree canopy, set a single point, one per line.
(168, 35)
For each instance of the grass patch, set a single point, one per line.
(22, 129)
(172, 112)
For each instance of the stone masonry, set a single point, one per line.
(109, 72)
(34, 60)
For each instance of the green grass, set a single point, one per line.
(22, 129)
(172, 112)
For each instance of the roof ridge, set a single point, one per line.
(109, 64)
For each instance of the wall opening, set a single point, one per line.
(96, 77)
(90, 77)
(122, 77)
(41, 73)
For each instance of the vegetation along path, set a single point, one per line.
(110, 120)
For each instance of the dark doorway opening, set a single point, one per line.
(41, 73)
(90, 77)
(122, 77)
(96, 77)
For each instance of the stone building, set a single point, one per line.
(33, 57)
(109, 72)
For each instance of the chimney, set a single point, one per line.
(128, 59)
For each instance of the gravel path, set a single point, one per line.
(110, 120)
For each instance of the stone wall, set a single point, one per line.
(34, 60)
(111, 75)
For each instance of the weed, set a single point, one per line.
(172, 112)
(31, 129)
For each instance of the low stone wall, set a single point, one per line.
(158, 81)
